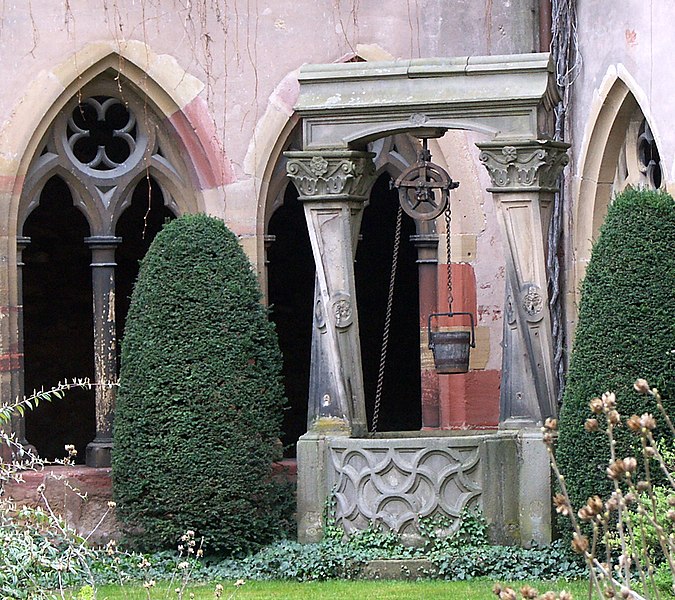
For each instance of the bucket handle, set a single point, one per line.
(472, 343)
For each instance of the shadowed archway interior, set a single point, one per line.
(57, 293)
(137, 226)
(58, 334)
(401, 408)
(291, 293)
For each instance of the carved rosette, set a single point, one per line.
(532, 302)
(524, 166)
(324, 175)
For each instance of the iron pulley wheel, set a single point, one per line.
(422, 190)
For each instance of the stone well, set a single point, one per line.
(396, 478)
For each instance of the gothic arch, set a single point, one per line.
(617, 111)
(167, 139)
(170, 93)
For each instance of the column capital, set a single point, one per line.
(22, 242)
(103, 250)
(331, 174)
(102, 241)
(524, 166)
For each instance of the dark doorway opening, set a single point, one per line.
(58, 333)
(290, 277)
(401, 408)
(137, 226)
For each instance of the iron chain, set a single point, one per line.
(448, 219)
(387, 321)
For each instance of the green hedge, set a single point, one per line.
(200, 400)
(625, 330)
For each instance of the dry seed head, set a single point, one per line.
(616, 469)
(561, 505)
(496, 589)
(648, 421)
(649, 451)
(633, 423)
(641, 386)
(671, 514)
(613, 502)
(595, 504)
(609, 400)
(671, 500)
(528, 592)
(591, 425)
(579, 543)
(508, 594)
(630, 464)
(614, 417)
(596, 406)
(548, 596)
(551, 424)
(565, 595)
(592, 508)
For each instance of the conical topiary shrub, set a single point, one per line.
(200, 399)
(625, 330)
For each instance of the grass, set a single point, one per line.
(337, 589)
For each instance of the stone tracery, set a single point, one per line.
(100, 148)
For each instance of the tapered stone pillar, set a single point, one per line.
(334, 186)
(524, 178)
(105, 345)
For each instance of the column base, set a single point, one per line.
(99, 453)
(518, 423)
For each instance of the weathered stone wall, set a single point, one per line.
(79, 495)
(626, 65)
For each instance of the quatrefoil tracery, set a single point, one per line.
(102, 133)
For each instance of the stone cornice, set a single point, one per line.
(518, 166)
(331, 175)
(347, 105)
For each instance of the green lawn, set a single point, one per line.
(336, 589)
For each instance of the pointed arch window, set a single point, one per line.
(123, 171)
(639, 163)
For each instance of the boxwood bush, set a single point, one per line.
(200, 399)
(625, 330)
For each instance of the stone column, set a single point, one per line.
(105, 345)
(18, 391)
(524, 178)
(427, 260)
(334, 187)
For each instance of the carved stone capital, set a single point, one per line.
(531, 166)
(331, 175)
